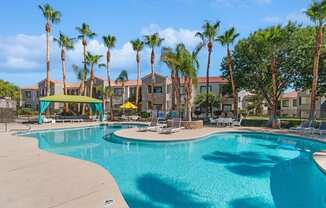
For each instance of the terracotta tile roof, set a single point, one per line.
(215, 79)
(32, 87)
(293, 94)
(73, 84)
(128, 83)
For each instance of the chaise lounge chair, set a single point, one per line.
(322, 128)
(305, 126)
(176, 126)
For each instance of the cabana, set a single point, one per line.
(95, 104)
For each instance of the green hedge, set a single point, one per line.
(285, 123)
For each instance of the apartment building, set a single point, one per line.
(162, 92)
(297, 104)
(31, 94)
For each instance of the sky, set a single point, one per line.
(22, 37)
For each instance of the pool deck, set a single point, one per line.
(32, 178)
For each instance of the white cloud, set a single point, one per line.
(174, 36)
(273, 19)
(298, 16)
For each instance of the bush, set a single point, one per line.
(144, 114)
(26, 112)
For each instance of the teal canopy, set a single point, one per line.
(95, 104)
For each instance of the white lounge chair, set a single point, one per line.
(176, 126)
(47, 120)
(212, 121)
(236, 123)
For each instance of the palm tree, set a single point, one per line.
(85, 33)
(317, 13)
(208, 37)
(153, 41)
(92, 60)
(51, 17)
(169, 57)
(137, 46)
(188, 64)
(227, 39)
(122, 78)
(80, 75)
(109, 42)
(65, 43)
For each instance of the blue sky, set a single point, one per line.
(22, 30)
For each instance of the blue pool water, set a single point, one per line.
(229, 170)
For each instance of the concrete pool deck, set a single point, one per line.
(32, 178)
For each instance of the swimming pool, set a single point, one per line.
(227, 170)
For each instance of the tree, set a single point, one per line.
(80, 75)
(109, 42)
(51, 17)
(122, 78)
(65, 43)
(85, 33)
(261, 64)
(213, 100)
(9, 90)
(317, 13)
(92, 60)
(208, 37)
(137, 46)
(227, 39)
(188, 64)
(169, 57)
(152, 41)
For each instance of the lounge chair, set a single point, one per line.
(237, 122)
(47, 120)
(212, 121)
(176, 126)
(154, 126)
(322, 128)
(305, 126)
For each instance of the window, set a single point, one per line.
(28, 94)
(157, 107)
(182, 90)
(203, 88)
(149, 89)
(227, 107)
(132, 91)
(158, 90)
(285, 103)
(294, 103)
(117, 91)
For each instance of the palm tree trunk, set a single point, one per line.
(207, 75)
(48, 85)
(177, 90)
(153, 80)
(319, 41)
(64, 77)
(173, 93)
(85, 72)
(138, 76)
(108, 68)
(275, 98)
(188, 86)
(234, 90)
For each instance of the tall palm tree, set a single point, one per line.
(65, 43)
(80, 75)
(85, 33)
(317, 13)
(169, 57)
(153, 41)
(228, 39)
(122, 78)
(208, 36)
(51, 17)
(137, 46)
(109, 42)
(92, 60)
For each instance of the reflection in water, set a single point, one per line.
(238, 170)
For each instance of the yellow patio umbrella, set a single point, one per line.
(128, 106)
